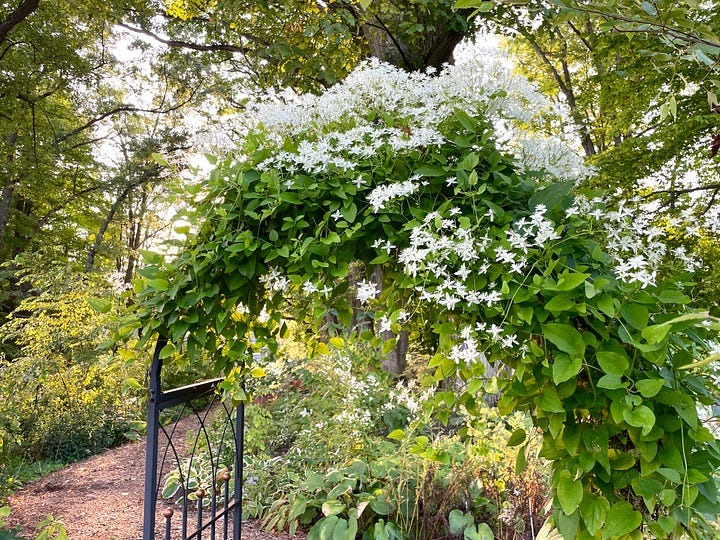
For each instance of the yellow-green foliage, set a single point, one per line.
(64, 397)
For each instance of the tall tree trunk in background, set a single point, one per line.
(5, 197)
(7, 190)
(90, 261)
(395, 361)
(135, 239)
(433, 50)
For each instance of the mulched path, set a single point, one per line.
(100, 498)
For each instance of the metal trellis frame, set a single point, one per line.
(203, 506)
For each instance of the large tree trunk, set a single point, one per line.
(395, 361)
(431, 48)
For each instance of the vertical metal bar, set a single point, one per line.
(213, 503)
(168, 514)
(200, 494)
(239, 449)
(151, 452)
(226, 487)
(185, 507)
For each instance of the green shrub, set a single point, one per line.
(65, 397)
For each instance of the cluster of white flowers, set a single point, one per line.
(274, 281)
(366, 291)
(441, 248)
(384, 324)
(386, 193)
(408, 396)
(466, 351)
(342, 125)
(635, 240)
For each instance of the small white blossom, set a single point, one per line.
(366, 291)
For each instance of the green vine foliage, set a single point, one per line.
(602, 352)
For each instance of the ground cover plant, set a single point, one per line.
(492, 257)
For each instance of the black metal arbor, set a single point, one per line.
(208, 503)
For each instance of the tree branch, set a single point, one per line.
(581, 37)
(16, 17)
(694, 189)
(185, 44)
(655, 27)
(117, 110)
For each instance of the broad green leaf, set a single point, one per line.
(100, 305)
(606, 304)
(569, 493)
(649, 8)
(549, 401)
(564, 337)
(686, 409)
(431, 170)
(622, 519)
(172, 486)
(257, 372)
(518, 437)
(667, 496)
(647, 487)
(636, 315)
(521, 460)
(561, 302)
(671, 474)
(159, 284)
(481, 531)
(622, 461)
(388, 345)
(613, 363)
(673, 297)
(167, 351)
(565, 368)
(332, 507)
(649, 387)
(641, 416)
(550, 196)
(568, 525)
(290, 197)
(298, 506)
(150, 257)
(459, 521)
(594, 510)
(571, 438)
(380, 505)
(352, 528)
(569, 281)
(611, 382)
(340, 530)
(671, 457)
